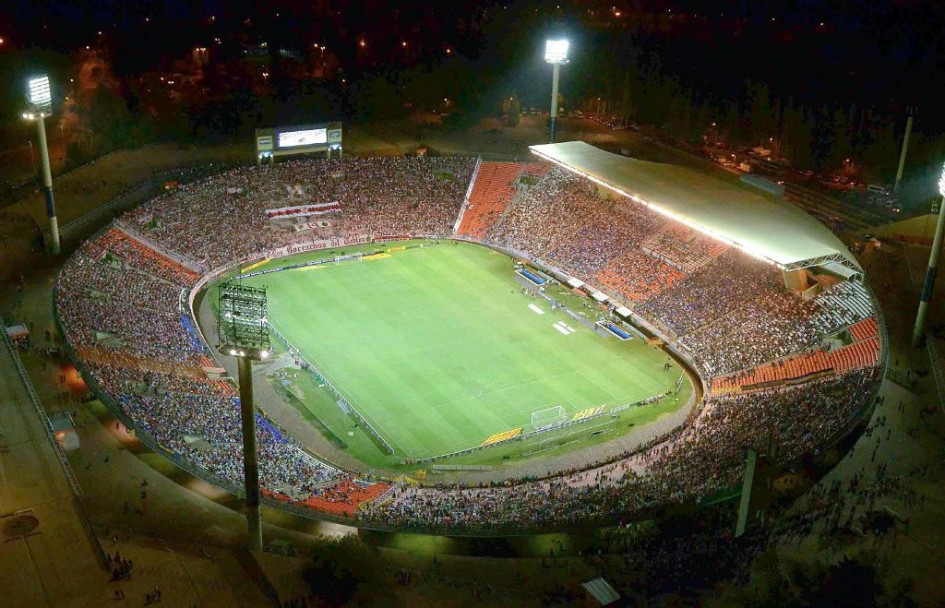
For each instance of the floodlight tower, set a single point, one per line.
(243, 331)
(39, 98)
(929, 284)
(556, 53)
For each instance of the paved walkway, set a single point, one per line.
(896, 468)
(186, 538)
(53, 564)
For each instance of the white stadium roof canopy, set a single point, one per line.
(766, 228)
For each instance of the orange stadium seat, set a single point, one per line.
(859, 355)
(491, 194)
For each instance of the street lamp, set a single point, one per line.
(556, 53)
(39, 99)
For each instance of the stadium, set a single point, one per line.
(480, 347)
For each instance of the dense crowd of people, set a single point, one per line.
(222, 219)
(704, 293)
(693, 462)
(120, 303)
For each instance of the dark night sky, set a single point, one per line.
(881, 55)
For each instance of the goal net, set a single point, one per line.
(547, 418)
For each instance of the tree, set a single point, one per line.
(762, 122)
(880, 149)
(110, 119)
(797, 133)
(679, 116)
(841, 138)
(379, 96)
(511, 108)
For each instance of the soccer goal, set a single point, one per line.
(548, 418)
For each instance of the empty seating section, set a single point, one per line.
(859, 355)
(491, 194)
(799, 366)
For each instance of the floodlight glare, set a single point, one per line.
(556, 51)
(941, 182)
(39, 93)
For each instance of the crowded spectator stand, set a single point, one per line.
(775, 378)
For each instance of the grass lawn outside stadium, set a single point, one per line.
(438, 346)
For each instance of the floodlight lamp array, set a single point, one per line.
(39, 97)
(941, 182)
(243, 322)
(556, 51)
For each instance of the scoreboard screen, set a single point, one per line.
(309, 137)
(298, 139)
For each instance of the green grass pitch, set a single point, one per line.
(438, 348)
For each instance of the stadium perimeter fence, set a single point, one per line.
(64, 464)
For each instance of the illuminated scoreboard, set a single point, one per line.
(300, 139)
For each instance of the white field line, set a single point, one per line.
(536, 309)
(564, 328)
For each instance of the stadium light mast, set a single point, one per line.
(556, 53)
(39, 99)
(929, 283)
(243, 332)
(902, 154)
